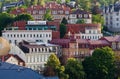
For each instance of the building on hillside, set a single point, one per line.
(42, 25)
(73, 48)
(80, 15)
(84, 31)
(58, 11)
(13, 59)
(16, 36)
(37, 53)
(111, 15)
(12, 4)
(80, 48)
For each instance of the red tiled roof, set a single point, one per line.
(99, 42)
(113, 38)
(82, 41)
(6, 57)
(76, 28)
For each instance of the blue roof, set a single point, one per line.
(10, 71)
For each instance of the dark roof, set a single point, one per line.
(78, 11)
(116, 7)
(10, 71)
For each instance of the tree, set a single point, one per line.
(33, 2)
(55, 68)
(23, 17)
(64, 21)
(47, 15)
(97, 19)
(41, 2)
(80, 21)
(74, 69)
(5, 21)
(100, 65)
(62, 30)
(117, 64)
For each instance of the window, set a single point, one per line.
(66, 12)
(117, 19)
(117, 14)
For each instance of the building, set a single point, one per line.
(112, 17)
(37, 53)
(84, 31)
(42, 25)
(16, 36)
(58, 11)
(13, 4)
(80, 15)
(80, 48)
(13, 59)
(73, 48)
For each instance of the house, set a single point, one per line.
(37, 53)
(58, 11)
(13, 59)
(80, 15)
(84, 31)
(81, 48)
(73, 48)
(112, 17)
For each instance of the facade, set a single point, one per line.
(16, 36)
(80, 48)
(13, 59)
(37, 53)
(73, 48)
(41, 25)
(84, 31)
(112, 17)
(80, 15)
(58, 11)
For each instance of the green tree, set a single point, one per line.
(5, 21)
(74, 69)
(41, 2)
(23, 17)
(100, 65)
(64, 21)
(62, 30)
(97, 19)
(80, 21)
(55, 68)
(47, 15)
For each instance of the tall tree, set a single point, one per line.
(5, 21)
(100, 65)
(62, 30)
(64, 21)
(74, 69)
(55, 68)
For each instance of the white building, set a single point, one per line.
(84, 31)
(80, 15)
(37, 53)
(16, 36)
(111, 15)
(91, 33)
